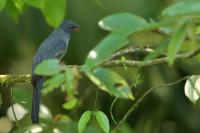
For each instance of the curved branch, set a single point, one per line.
(134, 106)
(162, 60)
(133, 49)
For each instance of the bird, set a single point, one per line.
(53, 47)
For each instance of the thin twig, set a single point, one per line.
(162, 60)
(96, 97)
(134, 106)
(111, 110)
(13, 110)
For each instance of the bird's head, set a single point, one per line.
(70, 26)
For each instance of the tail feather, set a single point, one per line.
(37, 87)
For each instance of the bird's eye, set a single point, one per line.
(72, 27)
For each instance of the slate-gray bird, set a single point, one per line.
(55, 46)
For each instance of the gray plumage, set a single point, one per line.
(55, 46)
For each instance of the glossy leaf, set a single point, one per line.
(48, 67)
(107, 46)
(2, 4)
(85, 118)
(182, 8)
(54, 11)
(121, 21)
(103, 121)
(176, 42)
(110, 82)
(192, 88)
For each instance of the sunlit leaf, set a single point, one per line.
(192, 88)
(2, 4)
(176, 42)
(19, 4)
(48, 67)
(53, 83)
(121, 21)
(182, 8)
(110, 82)
(54, 11)
(70, 104)
(107, 46)
(85, 118)
(103, 121)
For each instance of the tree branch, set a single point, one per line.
(162, 60)
(133, 49)
(134, 106)
(9, 79)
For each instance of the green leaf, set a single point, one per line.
(54, 11)
(192, 88)
(48, 67)
(110, 82)
(36, 3)
(121, 21)
(53, 83)
(106, 47)
(176, 42)
(85, 118)
(103, 121)
(2, 4)
(12, 10)
(182, 8)
(19, 4)
(70, 104)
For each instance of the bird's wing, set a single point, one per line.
(50, 48)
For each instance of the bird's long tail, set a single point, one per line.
(37, 87)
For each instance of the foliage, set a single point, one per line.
(181, 19)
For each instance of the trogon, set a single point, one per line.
(54, 46)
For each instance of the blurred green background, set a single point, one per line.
(166, 110)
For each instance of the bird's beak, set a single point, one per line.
(77, 29)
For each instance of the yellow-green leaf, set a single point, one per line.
(54, 11)
(103, 121)
(2, 4)
(85, 118)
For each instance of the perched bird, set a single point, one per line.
(55, 46)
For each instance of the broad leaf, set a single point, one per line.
(70, 104)
(85, 118)
(107, 46)
(54, 11)
(53, 83)
(192, 88)
(182, 8)
(110, 82)
(176, 42)
(2, 4)
(103, 121)
(48, 67)
(121, 21)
